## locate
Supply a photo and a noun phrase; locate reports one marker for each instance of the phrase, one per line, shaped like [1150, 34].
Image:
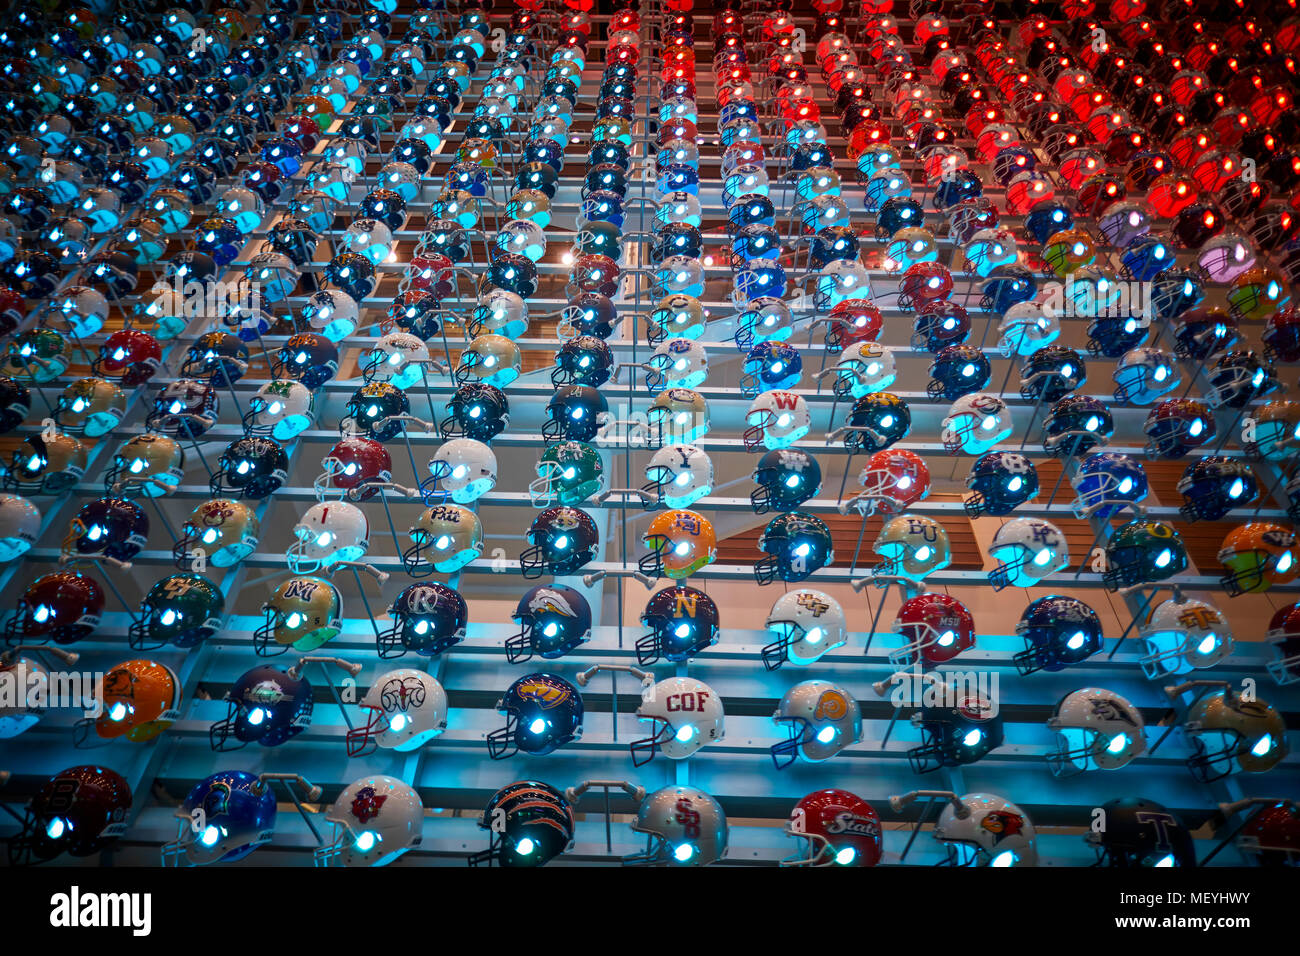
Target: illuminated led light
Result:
[826, 735]
[365, 842]
[972, 737]
[537, 726]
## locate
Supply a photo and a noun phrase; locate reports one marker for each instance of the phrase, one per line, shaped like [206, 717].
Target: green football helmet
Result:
[568, 473]
[1143, 552]
[181, 609]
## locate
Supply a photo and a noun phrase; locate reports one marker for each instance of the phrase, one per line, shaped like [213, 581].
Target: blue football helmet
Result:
[771, 366]
[1058, 631]
[1105, 483]
[543, 713]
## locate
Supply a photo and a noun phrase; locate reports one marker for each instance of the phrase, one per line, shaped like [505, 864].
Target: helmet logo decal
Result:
[688, 817]
[831, 705]
[548, 600]
[402, 694]
[302, 589]
[543, 692]
[810, 601]
[1106, 708]
[847, 822]
[367, 803]
[217, 799]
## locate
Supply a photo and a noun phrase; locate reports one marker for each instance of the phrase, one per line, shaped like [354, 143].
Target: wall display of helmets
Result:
[787, 433]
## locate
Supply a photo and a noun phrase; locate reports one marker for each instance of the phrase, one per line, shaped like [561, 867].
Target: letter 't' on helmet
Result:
[1140, 833]
[1182, 635]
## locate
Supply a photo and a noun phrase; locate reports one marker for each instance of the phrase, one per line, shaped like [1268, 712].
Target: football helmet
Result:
[683, 827]
[328, 533]
[489, 359]
[975, 423]
[182, 610]
[220, 531]
[112, 528]
[266, 706]
[805, 624]
[252, 467]
[584, 360]
[1143, 375]
[427, 618]
[795, 544]
[820, 719]
[225, 817]
[912, 547]
[776, 419]
[476, 411]
[864, 368]
[376, 819]
[1140, 833]
[953, 736]
[500, 312]
[1026, 550]
[282, 409]
[682, 622]
[151, 464]
[935, 627]
[1284, 634]
[90, 407]
[1143, 551]
[577, 413]
[1212, 486]
[958, 370]
[1238, 378]
[677, 415]
[543, 713]
[840, 829]
[553, 621]
[1274, 432]
[1095, 729]
[679, 475]
[770, 365]
[79, 811]
[62, 606]
[462, 470]
[1058, 631]
[379, 409]
[684, 715]
[786, 478]
[185, 407]
[356, 468]
[39, 355]
[531, 823]
[1106, 483]
[1051, 373]
[399, 358]
[1027, 327]
[309, 358]
[303, 613]
[15, 403]
[404, 709]
[1076, 424]
[141, 699]
[893, 480]
[1229, 734]
[677, 363]
[561, 540]
[568, 473]
[1256, 556]
[1000, 482]
[1176, 426]
[680, 543]
[445, 538]
[20, 525]
[1183, 634]
[218, 356]
[986, 831]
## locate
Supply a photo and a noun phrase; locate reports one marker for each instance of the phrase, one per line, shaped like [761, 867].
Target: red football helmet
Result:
[1273, 834]
[840, 829]
[937, 628]
[63, 606]
[355, 467]
[922, 283]
[129, 355]
[894, 479]
[853, 321]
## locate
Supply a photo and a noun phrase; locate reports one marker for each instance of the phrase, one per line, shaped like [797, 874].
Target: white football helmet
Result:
[841, 280]
[1026, 549]
[376, 819]
[684, 714]
[1225, 256]
[805, 624]
[461, 469]
[1095, 729]
[992, 832]
[677, 363]
[975, 424]
[1026, 327]
[1143, 375]
[820, 719]
[776, 419]
[26, 703]
[20, 523]
[522, 236]
[502, 312]
[399, 358]
[863, 368]
[369, 237]
[330, 532]
[282, 408]
[332, 313]
[679, 475]
[1182, 635]
[405, 709]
